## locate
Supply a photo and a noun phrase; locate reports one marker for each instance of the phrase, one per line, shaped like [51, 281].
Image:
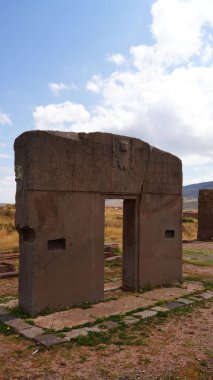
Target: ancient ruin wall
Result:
[205, 214]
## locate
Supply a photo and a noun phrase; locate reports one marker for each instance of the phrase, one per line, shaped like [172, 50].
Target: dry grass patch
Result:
[114, 225]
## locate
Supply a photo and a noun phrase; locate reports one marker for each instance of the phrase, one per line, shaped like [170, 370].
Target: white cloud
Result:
[4, 119]
[59, 116]
[7, 189]
[95, 84]
[118, 59]
[57, 88]
[165, 96]
[3, 145]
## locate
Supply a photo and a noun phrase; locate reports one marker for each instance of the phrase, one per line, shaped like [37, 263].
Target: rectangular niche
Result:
[170, 234]
[56, 245]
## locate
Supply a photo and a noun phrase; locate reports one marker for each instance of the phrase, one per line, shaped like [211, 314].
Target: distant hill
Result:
[190, 196]
[193, 190]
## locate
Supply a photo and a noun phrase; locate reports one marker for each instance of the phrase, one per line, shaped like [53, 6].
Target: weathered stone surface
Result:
[4, 311]
[50, 339]
[205, 214]
[161, 309]
[146, 314]
[62, 252]
[206, 295]
[75, 333]
[82, 332]
[32, 332]
[173, 305]
[110, 325]
[185, 301]
[129, 320]
[18, 324]
[126, 302]
[94, 329]
[195, 298]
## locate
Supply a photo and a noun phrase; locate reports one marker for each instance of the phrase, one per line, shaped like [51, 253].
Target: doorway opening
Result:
[121, 244]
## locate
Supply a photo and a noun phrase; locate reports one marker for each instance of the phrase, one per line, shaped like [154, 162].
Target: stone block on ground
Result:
[32, 332]
[129, 320]
[161, 309]
[206, 295]
[73, 334]
[173, 305]
[3, 311]
[18, 324]
[196, 298]
[185, 301]
[146, 314]
[210, 292]
[49, 339]
[94, 329]
[6, 317]
[108, 325]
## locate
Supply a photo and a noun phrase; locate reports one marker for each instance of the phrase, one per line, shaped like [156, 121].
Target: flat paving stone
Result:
[195, 298]
[126, 302]
[109, 325]
[75, 333]
[94, 329]
[146, 314]
[185, 301]
[3, 311]
[173, 305]
[32, 332]
[206, 295]
[49, 339]
[129, 320]
[6, 317]
[161, 309]
[18, 324]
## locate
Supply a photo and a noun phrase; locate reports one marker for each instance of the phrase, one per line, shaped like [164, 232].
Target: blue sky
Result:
[135, 67]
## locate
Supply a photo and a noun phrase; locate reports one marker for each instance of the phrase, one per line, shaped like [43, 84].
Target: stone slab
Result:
[94, 329]
[3, 311]
[18, 324]
[173, 305]
[210, 292]
[129, 320]
[75, 333]
[109, 325]
[160, 309]
[32, 332]
[185, 301]
[146, 314]
[82, 332]
[49, 339]
[6, 317]
[196, 298]
[126, 302]
[206, 295]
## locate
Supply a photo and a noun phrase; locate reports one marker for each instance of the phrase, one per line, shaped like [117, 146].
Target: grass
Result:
[114, 225]
[189, 231]
[8, 236]
[198, 257]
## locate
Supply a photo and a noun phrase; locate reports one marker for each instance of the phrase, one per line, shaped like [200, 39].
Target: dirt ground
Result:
[176, 347]
[179, 346]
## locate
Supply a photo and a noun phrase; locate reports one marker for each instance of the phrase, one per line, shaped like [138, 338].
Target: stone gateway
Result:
[63, 179]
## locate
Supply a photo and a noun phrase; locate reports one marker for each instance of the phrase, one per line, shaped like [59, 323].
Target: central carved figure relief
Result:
[63, 180]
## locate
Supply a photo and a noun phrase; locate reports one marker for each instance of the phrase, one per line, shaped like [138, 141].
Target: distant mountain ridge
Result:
[190, 196]
[193, 189]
